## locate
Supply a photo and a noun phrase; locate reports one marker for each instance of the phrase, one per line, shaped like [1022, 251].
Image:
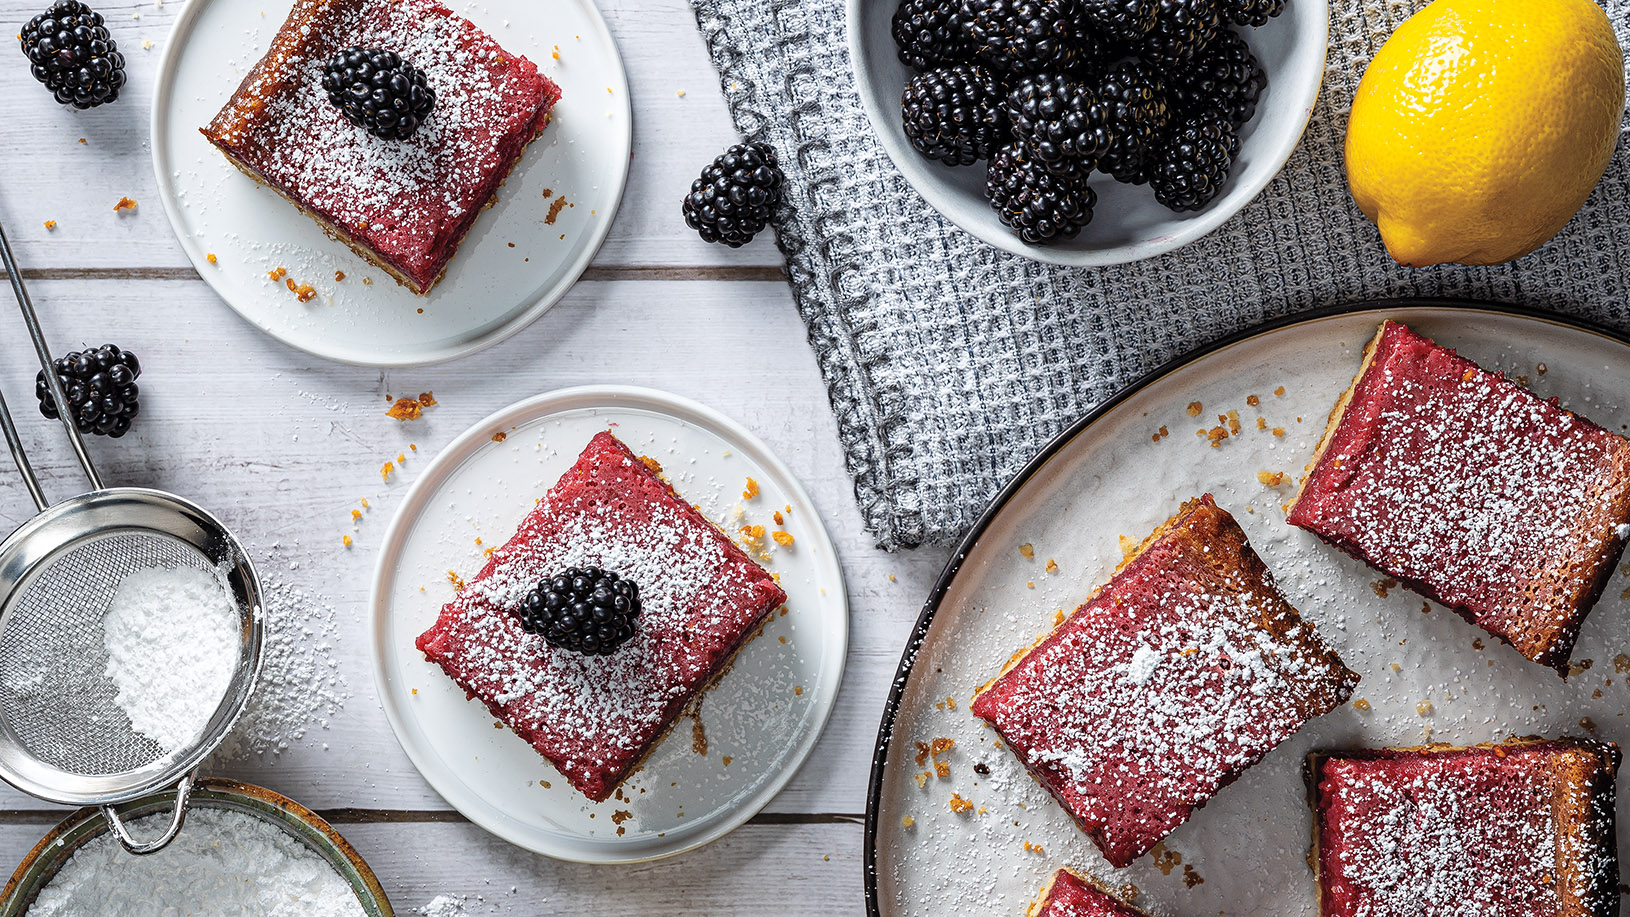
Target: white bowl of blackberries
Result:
[1088, 132]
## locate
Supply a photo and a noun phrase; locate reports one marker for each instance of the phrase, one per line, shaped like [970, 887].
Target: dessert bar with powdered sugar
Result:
[1070, 894]
[1473, 491]
[596, 717]
[1185, 669]
[403, 204]
[1519, 829]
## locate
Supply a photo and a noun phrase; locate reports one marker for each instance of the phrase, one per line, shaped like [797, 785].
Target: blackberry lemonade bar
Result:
[612, 607]
[1473, 491]
[1184, 670]
[442, 114]
[1519, 829]
[1070, 894]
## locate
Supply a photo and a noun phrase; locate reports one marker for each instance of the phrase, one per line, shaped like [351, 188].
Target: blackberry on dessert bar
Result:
[103, 397]
[1041, 205]
[70, 51]
[1064, 125]
[1225, 78]
[583, 609]
[732, 200]
[378, 91]
[929, 33]
[1251, 12]
[954, 114]
[1193, 161]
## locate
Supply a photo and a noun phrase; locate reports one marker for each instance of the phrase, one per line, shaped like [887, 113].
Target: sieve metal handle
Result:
[43, 351]
[183, 790]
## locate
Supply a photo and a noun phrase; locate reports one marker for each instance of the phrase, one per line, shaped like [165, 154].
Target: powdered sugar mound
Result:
[1143, 664]
[171, 634]
[300, 685]
[223, 862]
[443, 906]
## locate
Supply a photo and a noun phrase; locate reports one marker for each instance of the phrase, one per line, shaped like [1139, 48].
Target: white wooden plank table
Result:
[282, 445]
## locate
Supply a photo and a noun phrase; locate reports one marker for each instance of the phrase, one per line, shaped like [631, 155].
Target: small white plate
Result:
[491, 290]
[1113, 476]
[1127, 224]
[764, 715]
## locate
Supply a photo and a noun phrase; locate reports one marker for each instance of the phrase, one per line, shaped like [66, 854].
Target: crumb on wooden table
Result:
[405, 409]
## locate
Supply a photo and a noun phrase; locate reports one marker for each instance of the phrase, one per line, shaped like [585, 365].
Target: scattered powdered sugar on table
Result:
[300, 685]
[223, 862]
[172, 636]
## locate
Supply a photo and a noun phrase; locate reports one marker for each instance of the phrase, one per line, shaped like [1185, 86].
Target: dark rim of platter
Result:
[885, 729]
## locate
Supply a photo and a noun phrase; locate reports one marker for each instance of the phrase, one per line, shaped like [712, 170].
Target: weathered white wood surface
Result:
[283, 445]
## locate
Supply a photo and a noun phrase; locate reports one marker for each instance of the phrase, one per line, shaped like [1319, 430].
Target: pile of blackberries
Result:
[1050, 91]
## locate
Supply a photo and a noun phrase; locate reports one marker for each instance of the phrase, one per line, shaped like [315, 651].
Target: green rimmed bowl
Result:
[53, 850]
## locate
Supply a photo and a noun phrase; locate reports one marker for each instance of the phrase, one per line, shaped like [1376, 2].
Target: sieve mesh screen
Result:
[54, 695]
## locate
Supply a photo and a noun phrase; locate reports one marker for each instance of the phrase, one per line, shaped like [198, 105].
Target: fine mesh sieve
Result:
[62, 736]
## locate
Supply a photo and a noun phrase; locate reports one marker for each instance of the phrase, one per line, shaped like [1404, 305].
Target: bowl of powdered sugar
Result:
[246, 850]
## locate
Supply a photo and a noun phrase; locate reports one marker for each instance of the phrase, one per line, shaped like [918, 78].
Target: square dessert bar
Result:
[1181, 672]
[1473, 491]
[1070, 894]
[1520, 829]
[404, 205]
[595, 718]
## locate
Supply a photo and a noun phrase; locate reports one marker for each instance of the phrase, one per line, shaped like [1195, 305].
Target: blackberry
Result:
[71, 52]
[1189, 168]
[732, 200]
[582, 609]
[1183, 28]
[1027, 36]
[1121, 20]
[1065, 125]
[1225, 78]
[931, 32]
[101, 389]
[1041, 205]
[1137, 98]
[954, 114]
[378, 91]
[1251, 12]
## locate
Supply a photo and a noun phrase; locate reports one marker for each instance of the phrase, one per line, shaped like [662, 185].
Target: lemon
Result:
[1482, 125]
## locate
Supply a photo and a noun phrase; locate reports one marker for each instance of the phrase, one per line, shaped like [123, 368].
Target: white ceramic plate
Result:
[491, 290]
[1111, 478]
[1127, 224]
[764, 714]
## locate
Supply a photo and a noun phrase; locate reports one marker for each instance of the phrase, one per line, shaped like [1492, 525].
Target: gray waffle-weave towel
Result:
[950, 362]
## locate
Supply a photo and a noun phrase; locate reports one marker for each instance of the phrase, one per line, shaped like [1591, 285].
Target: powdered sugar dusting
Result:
[301, 687]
